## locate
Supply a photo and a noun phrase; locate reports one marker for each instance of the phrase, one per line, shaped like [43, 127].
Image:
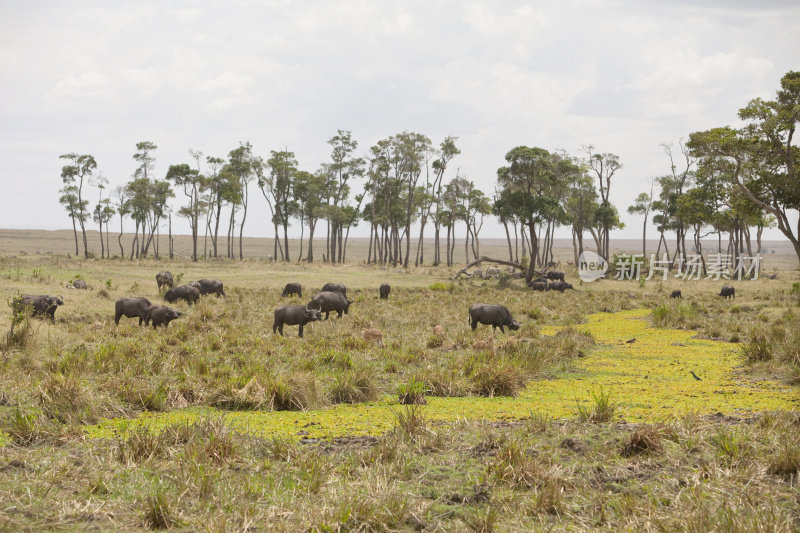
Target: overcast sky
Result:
[625, 76]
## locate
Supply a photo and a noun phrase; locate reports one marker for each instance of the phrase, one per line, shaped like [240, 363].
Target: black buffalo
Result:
[559, 286]
[79, 284]
[161, 314]
[132, 308]
[294, 315]
[384, 290]
[555, 275]
[292, 288]
[164, 280]
[209, 286]
[327, 301]
[728, 292]
[40, 305]
[676, 294]
[185, 292]
[493, 315]
[334, 287]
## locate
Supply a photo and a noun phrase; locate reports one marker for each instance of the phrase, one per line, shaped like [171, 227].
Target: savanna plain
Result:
[613, 407]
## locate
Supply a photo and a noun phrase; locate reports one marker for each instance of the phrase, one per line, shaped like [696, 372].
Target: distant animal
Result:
[728, 292]
[189, 293]
[676, 294]
[372, 335]
[294, 315]
[42, 305]
[493, 272]
[484, 346]
[334, 287]
[164, 280]
[80, 284]
[292, 288]
[327, 301]
[555, 275]
[438, 330]
[384, 290]
[135, 307]
[493, 315]
[695, 376]
[554, 264]
[559, 286]
[538, 285]
[161, 314]
[209, 286]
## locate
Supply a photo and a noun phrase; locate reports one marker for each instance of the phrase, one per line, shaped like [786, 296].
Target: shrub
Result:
[412, 393]
[603, 409]
[646, 439]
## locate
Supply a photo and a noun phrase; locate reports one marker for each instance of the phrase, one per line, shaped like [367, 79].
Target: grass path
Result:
[649, 377]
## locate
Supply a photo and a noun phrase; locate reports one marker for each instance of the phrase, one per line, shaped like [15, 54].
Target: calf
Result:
[372, 335]
[493, 315]
[132, 308]
[292, 288]
[676, 294]
[185, 292]
[728, 292]
[538, 285]
[161, 314]
[384, 290]
[294, 315]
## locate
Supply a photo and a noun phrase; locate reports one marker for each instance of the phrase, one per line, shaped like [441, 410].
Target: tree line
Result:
[724, 181]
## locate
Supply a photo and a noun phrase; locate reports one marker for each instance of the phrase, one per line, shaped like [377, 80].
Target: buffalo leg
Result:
[301, 330]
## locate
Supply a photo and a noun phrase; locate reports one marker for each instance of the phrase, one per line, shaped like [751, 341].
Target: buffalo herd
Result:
[331, 298]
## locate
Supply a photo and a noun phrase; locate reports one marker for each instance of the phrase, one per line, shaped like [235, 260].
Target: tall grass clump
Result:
[675, 315]
[354, 386]
[602, 409]
[21, 334]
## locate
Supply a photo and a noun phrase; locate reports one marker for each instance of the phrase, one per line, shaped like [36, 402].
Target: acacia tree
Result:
[642, 206]
[79, 168]
[216, 195]
[123, 208]
[69, 199]
[283, 167]
[604, 166]
[309, 191]
[433, 192]
[344, 167]
[240, 165]
[763, 157]
[193, 184]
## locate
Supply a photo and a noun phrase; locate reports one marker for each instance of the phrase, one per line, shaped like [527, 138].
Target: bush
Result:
[412, 393]
[354, 386]
[603, 409]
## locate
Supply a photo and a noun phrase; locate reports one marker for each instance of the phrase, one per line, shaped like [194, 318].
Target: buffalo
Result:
[676, 294]
[41, 305]
[208, 286]
[164, 280]
[334, 287]
[132, 308]
[79, 284]
[161, 314]
[294, 315]
[555, 275]
[327, 301]
[292, 288]
[493, 315]
[384, 290]
[559, 286]
[728, 292]
[189, 293]
[538, 285]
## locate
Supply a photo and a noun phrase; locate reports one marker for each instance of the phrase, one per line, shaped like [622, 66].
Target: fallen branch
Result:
[483, 259]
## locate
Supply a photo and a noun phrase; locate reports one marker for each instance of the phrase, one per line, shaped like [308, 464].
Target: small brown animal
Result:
[438, 330]
[676, 294]
[373, 335]
[484, 346]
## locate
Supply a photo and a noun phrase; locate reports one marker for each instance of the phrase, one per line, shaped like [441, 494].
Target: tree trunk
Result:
[508, 239]
[75, 231]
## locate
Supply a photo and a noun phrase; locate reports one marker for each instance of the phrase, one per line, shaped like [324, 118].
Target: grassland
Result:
[216, 424]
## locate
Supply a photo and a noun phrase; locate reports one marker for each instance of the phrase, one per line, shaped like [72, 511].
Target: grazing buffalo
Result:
[728, 292]
[555, 275]
[161, 314]
[334, 287]
[41, 305]
[79, 284]
[327, 301]
[294, 315]
[559, 286]
[292, 288]
[164, 280]
[538, 285]
[208, 286]
[373, 335]
[132, 308]
[185, 292]
[384, 290]
[493, 315]
[676, 294]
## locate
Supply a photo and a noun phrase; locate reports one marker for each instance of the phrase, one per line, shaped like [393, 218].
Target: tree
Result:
[309, 191]
[604, 166]
[762, 154]
[79, 168]
[283, 167]
[240, 165]
[642, 206]
[343, 168]
[123, 208]
[217, 194]
[193, 184]
[69, 199]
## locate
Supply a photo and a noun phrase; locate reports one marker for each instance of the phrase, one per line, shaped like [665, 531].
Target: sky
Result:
[624, 76]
